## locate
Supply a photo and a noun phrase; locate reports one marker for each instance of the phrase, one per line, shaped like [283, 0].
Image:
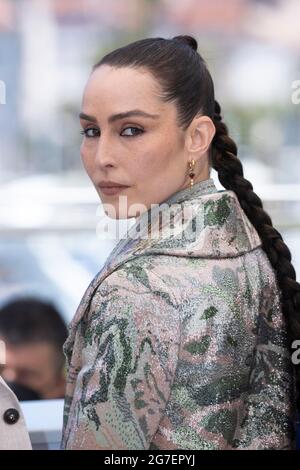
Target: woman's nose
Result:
[104, 154]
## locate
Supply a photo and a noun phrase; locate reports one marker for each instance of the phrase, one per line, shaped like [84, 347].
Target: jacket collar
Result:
[207, 223]
[139, 230]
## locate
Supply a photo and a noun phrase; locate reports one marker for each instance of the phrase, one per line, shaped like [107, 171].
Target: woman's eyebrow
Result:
[116, 117]
[86, 117]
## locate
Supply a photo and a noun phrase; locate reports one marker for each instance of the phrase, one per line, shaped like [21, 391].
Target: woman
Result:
[182, 340]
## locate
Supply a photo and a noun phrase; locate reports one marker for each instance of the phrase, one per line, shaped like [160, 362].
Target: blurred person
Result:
[23, 393]
[184, 339]
[34, 333]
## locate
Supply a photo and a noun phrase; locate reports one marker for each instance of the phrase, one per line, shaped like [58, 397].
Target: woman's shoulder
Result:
[137, 282]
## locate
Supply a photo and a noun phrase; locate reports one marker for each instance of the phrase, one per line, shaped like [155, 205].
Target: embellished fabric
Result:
[179, 341]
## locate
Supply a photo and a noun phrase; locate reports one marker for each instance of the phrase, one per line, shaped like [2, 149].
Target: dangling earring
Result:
[191, 172]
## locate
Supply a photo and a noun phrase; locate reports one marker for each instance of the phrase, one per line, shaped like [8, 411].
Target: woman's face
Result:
[146, 153]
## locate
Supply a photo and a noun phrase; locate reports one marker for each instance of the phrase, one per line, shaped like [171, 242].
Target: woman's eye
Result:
[89, 132]
[140, 131]
[85, 132]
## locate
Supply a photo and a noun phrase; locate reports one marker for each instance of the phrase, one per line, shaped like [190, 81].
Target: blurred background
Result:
[49, 247]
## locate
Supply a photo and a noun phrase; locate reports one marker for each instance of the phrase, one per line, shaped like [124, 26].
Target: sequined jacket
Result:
[179, 341]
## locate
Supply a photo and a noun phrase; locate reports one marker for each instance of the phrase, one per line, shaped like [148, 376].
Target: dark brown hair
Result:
[29, 320]
[185, 80]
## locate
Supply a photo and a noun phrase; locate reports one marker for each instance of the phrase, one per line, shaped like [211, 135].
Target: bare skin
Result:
[153, 163]
[34, 366]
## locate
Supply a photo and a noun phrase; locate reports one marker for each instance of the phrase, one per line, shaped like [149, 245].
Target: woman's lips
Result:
[113, 190]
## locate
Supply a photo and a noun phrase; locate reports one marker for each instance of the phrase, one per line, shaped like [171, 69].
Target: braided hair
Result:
[184, 78]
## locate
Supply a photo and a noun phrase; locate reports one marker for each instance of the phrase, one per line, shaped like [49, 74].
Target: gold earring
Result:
[191, 172]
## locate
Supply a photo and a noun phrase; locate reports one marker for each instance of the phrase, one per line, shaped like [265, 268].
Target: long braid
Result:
[230, 172]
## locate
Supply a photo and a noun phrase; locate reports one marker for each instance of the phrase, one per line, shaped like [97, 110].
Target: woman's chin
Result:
[116, 214]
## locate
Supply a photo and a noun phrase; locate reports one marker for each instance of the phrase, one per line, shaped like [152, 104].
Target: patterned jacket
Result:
[179, 341]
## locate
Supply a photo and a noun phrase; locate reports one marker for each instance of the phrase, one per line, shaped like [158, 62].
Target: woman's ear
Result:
[200, 135]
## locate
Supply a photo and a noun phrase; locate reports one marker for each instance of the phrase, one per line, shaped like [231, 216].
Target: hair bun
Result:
[189, 40]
